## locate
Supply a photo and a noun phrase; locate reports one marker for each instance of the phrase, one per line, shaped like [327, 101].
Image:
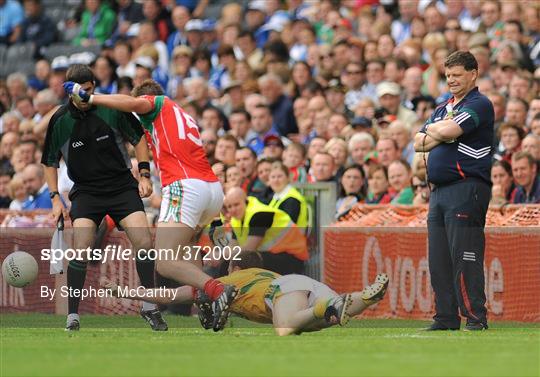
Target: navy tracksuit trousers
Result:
[456, 220]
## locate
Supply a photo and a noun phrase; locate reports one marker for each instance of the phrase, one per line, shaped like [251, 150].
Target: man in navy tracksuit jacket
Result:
[458, 137]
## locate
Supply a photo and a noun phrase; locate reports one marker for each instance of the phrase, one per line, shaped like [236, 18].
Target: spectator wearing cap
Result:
[255, 18]
[144, 65]
[97, 24]
[194, 33]
[247, 46]
[273, 147]
[180, 69]
[262, 124]
[525, 172]
[11, 19]
[388, 94]
[271, 88]
[335, 97]
[180, 17]
[233, 97]
[37, 27]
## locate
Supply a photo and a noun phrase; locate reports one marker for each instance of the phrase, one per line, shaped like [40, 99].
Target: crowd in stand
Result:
[335, 90]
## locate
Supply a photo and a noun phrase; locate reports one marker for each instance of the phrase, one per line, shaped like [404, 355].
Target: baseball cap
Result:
[335, 84]
[231, 84]
[194, 25]
[273, 140]
[182, 50]
[387, 87]
[360, 121]
[82, 58]
[259, 5]
[60, 63]
[209, 24]
[145, 62]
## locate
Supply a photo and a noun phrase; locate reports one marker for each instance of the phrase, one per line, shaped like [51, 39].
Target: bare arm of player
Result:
[123, 102]
[164, 296]
[143, 155]
[424, 142]
[51, 177]
[445, 130]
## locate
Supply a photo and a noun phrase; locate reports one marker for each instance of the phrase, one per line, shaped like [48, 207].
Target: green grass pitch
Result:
[37, 345]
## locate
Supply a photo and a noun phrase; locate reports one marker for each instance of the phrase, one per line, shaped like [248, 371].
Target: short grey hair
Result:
[17, 76]
[361, 136]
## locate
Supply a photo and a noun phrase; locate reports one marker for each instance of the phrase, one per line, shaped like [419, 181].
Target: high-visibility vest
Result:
[302, 221]
[283, 236]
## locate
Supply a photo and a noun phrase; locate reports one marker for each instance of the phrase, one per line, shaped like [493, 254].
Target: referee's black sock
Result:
[76, 275]
[145, 269]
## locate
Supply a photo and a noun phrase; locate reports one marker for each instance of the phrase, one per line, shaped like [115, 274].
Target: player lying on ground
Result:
[192, 195]
[292, 303]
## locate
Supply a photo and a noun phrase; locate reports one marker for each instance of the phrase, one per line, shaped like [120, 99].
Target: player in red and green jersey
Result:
[191, 193]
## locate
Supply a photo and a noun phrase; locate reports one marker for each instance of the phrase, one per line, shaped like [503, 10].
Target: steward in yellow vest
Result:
[292, 202]
[259, 227]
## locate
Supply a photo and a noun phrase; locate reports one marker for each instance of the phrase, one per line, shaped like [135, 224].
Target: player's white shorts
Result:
[191, 201]
[292, 283]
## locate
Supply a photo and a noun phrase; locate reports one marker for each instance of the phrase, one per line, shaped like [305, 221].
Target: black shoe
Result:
[221, 306]
[476, 326]
[154, 319]
[73, 325]
[437, 326]
[206, 314]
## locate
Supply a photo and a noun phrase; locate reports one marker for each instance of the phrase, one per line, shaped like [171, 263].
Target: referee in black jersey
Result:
[91, 141]
[458, 136]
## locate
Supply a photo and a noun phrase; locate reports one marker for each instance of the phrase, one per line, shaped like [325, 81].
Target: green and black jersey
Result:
[92, 144]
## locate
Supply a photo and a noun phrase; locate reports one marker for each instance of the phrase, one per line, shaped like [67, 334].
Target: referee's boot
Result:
[437, 326]
[154, 319]
[475, 326]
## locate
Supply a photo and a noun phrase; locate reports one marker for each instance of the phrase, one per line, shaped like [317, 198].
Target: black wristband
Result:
[144, 165]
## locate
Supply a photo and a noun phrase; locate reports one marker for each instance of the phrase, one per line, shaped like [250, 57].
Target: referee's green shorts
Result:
[96, 206]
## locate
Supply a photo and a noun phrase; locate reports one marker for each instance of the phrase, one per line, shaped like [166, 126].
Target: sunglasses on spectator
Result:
[420, 185]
